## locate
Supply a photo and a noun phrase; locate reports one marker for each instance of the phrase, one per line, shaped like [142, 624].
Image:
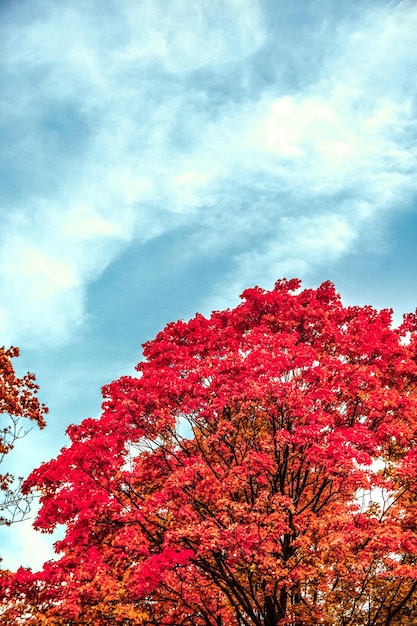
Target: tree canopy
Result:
[18, 402]
[261, 469]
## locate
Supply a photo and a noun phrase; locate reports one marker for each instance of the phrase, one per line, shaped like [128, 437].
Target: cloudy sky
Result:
[156, 158]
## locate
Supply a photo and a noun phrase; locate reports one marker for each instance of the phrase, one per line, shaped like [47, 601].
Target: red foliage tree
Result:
[261, 470]
[18, 401]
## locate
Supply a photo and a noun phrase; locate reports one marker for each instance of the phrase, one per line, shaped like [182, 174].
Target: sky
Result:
[157, 158]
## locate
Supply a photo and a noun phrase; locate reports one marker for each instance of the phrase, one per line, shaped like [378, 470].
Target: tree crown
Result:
[260, 470]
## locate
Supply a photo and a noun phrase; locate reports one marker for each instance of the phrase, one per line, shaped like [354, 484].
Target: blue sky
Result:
[157, 158]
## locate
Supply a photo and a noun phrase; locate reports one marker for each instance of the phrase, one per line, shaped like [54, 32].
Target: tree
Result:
[18, 400]
[260, 470]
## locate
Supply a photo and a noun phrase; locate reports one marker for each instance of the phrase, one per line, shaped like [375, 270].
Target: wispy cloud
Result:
[123, 121]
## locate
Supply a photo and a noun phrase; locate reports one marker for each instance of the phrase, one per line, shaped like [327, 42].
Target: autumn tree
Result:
[18, 404]
[260, 470]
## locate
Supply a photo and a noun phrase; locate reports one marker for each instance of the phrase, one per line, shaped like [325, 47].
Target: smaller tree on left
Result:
[18, 404]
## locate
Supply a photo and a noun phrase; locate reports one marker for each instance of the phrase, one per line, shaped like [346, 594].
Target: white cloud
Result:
[45, 261]
[189, 37]
[300, 244]
[155, 142]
